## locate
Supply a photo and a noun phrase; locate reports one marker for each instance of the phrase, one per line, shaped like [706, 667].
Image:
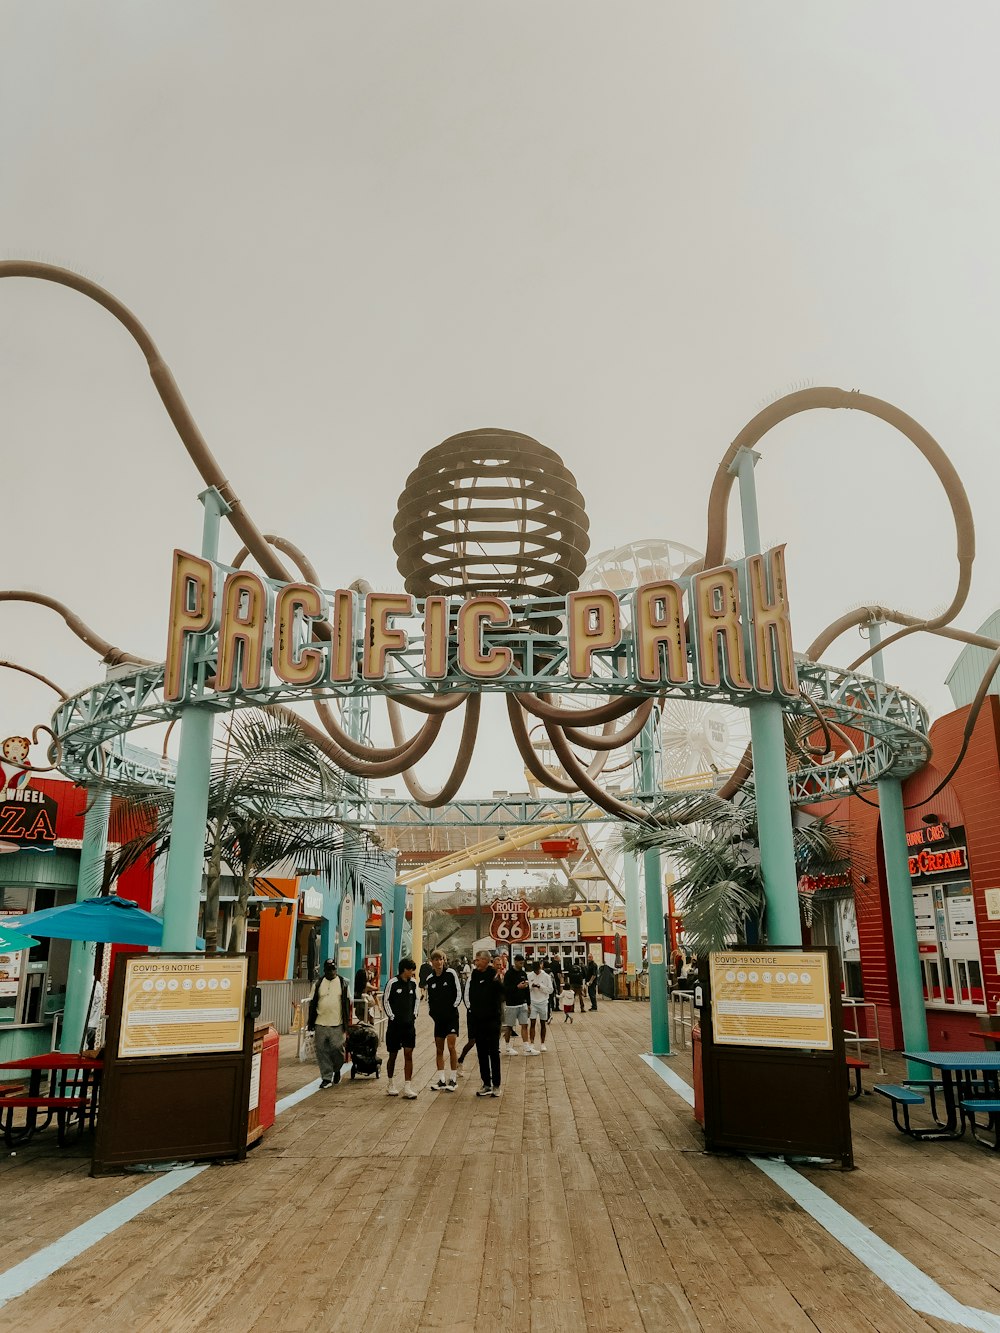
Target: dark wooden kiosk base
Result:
[175, 1107]
[778, 1100]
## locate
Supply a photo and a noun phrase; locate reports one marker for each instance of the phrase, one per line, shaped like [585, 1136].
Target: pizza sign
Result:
[510, 920]
[28, 819]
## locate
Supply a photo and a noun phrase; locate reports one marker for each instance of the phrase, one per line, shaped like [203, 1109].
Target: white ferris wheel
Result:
[698, 740]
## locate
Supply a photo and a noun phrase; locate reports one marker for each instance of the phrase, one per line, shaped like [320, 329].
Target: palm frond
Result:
[716, 915]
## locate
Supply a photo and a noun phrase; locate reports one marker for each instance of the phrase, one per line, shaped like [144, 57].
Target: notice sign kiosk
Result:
[177, 1061]
[773, 1066]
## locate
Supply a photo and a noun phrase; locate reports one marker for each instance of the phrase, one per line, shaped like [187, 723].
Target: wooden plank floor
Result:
[580, 1200]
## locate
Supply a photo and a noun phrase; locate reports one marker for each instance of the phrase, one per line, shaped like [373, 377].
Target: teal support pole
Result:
[90, 878]
[892, 822]
[398, 922]
[656, 952]
[385, 937]
[770, 770]
[633, 925]
[186, 859]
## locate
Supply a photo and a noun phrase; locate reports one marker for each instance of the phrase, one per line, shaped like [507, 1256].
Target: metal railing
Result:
[278, 1001]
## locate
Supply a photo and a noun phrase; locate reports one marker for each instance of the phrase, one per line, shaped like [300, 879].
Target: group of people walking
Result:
[498, 1007]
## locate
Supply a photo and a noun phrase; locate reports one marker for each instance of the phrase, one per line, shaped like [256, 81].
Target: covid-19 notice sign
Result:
[771, 999]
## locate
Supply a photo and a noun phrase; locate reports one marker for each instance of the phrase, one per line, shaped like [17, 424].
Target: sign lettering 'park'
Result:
[727, 626]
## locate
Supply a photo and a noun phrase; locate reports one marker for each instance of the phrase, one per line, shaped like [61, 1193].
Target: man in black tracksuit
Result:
[444, 995]
[484, 999]
[400, 1001]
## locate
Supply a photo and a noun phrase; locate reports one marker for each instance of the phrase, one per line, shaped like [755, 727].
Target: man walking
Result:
[553, 967]
[484, 998]
[590, 976]
[540, 989]
[444, 994]
[576, 983]
[517, 1004]
[329, 1017]
[400, 1000]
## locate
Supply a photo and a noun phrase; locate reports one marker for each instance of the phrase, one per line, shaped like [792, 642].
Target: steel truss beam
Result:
[91, 727]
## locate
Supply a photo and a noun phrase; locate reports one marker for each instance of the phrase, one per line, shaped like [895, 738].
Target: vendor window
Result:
[33, 981]
[948, 941]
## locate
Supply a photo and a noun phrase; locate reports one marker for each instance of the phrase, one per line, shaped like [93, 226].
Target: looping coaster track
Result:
[513, 519]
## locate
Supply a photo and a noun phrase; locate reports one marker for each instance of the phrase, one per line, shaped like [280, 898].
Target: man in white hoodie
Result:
[539, 989]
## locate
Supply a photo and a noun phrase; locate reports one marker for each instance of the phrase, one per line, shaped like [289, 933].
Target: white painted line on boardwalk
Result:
[920, 1292]
[23, 1276]
[29, 1272]
[299, 1095]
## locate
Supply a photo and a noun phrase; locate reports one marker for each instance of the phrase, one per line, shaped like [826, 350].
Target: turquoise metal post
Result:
[633, 925]
[770, 770]
[398, 922]
[90, 877]
[186, 859]
[656, 952]
[385, 936]
[895, 853]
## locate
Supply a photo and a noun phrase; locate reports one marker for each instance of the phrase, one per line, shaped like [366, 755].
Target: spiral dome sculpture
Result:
[491, 513]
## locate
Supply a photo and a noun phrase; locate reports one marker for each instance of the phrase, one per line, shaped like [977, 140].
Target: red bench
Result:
[68, 1111]
[856, 1065]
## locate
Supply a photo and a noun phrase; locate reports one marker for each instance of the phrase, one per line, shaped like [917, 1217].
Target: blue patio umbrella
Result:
[103, 920]
[12, 941]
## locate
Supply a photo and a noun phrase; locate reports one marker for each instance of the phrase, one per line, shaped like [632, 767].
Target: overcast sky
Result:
[354, 229]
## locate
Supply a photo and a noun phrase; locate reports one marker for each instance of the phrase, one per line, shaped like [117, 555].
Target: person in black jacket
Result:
[484, 999]
[401, 1000]
[444, 995]
[591, 976]
[517, 1006]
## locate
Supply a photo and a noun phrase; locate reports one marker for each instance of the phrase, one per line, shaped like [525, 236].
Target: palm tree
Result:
[714, 845]
[267, 791]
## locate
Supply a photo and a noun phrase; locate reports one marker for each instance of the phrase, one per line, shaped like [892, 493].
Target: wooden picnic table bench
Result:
[68, 1112]
[855, 1066]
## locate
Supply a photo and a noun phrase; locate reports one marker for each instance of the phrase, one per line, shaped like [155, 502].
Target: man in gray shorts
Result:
[540, 989]
[517, 1000]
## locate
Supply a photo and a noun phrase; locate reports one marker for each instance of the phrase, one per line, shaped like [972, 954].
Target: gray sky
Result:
[356, 229]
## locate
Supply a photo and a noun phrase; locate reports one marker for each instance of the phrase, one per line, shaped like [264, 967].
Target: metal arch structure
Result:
[90, 725]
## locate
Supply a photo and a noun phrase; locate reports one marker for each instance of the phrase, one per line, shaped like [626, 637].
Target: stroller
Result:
[362, 1047]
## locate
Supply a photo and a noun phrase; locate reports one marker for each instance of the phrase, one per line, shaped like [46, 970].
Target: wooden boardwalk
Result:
[581, 1200]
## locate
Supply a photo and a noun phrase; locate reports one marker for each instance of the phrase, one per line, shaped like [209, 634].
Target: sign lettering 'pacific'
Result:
[727, 626]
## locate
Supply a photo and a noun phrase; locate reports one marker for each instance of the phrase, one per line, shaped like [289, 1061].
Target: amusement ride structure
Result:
[619, 676]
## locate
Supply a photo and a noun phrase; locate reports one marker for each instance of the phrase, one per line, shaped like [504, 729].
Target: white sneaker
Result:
[512, 1050]
[392, 1090]
[408, 1091]
[451, 1086]
[437, 1085]
[530, 1050]
[542, 1047]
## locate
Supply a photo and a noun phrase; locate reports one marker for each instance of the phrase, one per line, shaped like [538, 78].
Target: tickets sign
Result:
[771, 999]
[510, 924]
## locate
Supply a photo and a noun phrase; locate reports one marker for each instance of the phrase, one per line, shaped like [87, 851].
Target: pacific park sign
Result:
[728, 626]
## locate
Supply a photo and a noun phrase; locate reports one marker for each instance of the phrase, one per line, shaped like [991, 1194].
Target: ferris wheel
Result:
[697, 740]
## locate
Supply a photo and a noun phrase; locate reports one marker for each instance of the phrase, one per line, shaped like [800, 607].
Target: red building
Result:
[954, 843]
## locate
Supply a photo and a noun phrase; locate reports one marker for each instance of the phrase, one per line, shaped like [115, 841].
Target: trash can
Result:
[263, 1083]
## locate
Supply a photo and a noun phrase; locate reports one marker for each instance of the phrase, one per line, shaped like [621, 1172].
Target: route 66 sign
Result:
[510, 920]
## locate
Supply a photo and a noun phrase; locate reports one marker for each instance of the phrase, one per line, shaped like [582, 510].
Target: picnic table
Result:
[71, 1097]
[967, 1078]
